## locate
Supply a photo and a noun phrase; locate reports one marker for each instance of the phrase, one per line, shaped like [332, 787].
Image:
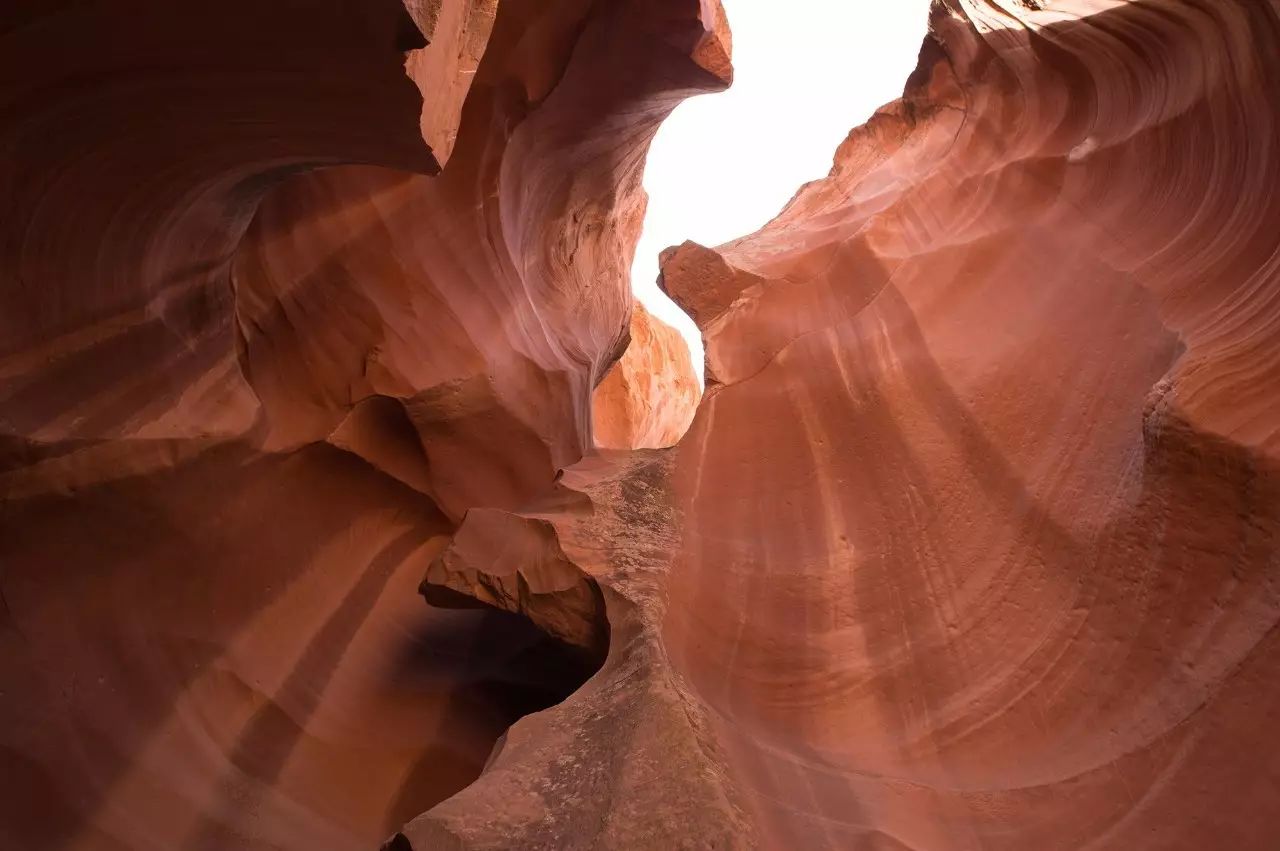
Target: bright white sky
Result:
[805, 73]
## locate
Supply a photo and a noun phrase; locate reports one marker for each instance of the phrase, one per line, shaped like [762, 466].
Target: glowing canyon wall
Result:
[325, 514]
[648, 398]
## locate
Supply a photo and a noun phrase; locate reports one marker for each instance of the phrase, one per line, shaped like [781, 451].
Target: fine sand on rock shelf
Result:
[972, 542]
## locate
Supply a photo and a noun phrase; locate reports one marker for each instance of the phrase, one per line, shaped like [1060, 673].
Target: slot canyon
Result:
[349, 499]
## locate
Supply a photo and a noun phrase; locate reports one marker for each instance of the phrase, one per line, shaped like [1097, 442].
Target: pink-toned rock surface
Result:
[991, 455]
[972, 543]
[260, 355]
[648, 397]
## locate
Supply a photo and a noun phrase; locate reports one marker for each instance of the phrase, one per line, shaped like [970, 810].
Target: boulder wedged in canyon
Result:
[648, 398]
[972, 542]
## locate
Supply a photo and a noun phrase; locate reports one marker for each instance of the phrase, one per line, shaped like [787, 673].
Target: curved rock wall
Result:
[648, 398]
[138, 139]
[259, 357]
[972, 543]
[980, 536]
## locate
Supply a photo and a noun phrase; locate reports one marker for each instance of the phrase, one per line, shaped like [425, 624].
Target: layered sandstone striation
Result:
[989, 454]
[972, 542]
[285, 292]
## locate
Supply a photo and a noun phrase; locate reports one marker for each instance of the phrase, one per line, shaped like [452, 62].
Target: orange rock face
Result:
[648, 398]
[973, 543]
[1009, 374]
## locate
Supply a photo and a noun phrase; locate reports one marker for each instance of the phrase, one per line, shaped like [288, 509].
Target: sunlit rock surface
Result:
[972, 543]
[979, 538]
[648, 398]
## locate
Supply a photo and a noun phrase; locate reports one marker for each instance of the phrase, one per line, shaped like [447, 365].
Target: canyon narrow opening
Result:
[722, 165]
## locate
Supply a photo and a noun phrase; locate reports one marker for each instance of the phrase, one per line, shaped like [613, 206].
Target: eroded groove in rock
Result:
[1008, 374]
[489, 300]
[234, 428]
[163, 694]
[972, 543]
[137, 142]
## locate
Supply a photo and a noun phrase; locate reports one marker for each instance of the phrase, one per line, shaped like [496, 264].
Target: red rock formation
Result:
[247, 399]
[972, 542]
[648, 398]
[136, 146]
[979, 545]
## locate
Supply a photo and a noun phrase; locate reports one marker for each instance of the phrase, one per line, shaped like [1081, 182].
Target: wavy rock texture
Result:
[648, 398]
[979, 545]
[259, 357]
[972, 543]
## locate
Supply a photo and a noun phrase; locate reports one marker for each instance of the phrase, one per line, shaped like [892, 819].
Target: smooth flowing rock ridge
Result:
[260, 356]
[972, 542]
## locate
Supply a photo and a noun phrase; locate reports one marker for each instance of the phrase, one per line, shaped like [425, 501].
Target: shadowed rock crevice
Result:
[516, 564]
